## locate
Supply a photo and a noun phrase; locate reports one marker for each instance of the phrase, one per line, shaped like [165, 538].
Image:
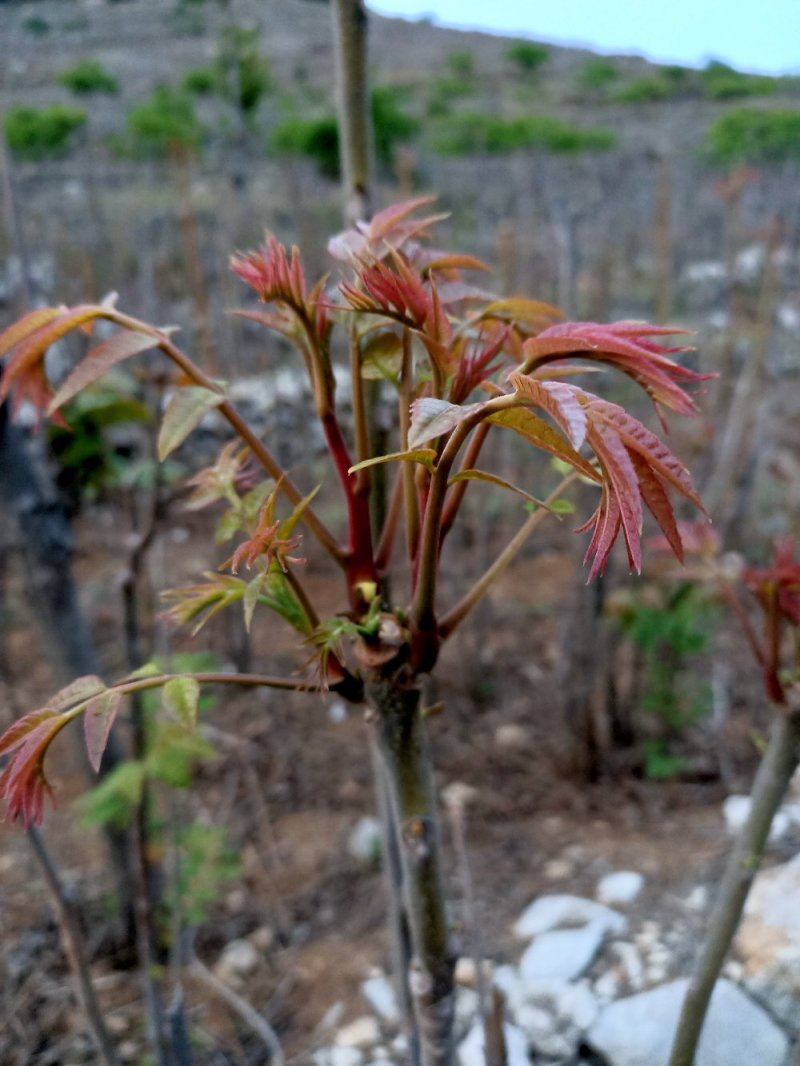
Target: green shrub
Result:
[644, 91]
[88, 76]
[316, 138]
[391, 124]
[597, 75]
[201, 81]
[461, 64]
[36, 26]
[528, 56]
[749, 136]
[34, 133]
[721, 82]
[475, 133]
[164, 122]
[243, 73]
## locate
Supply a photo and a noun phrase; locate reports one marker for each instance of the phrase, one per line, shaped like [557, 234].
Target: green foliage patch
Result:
[87, 77]
[750, 136]
[38, 133]
[476, 133]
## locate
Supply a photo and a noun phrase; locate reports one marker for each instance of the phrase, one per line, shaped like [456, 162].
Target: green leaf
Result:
[174, 754]
[99, 360]
[181, 696]
[431, 418]
[381, 357]
[250, 599]
[184, 413]
[148, 670]
[493, 479]
[228, 526]
[562, 506]
[539, 433]
[98, 719]
[115, 799]
[287, 527]
[424, 456]
[276, 594]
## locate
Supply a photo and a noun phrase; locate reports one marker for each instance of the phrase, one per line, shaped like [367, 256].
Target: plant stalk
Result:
[350, 49]
[772, 780]
[402, 744]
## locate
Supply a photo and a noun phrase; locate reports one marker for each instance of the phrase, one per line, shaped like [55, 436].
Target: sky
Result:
[761, 37]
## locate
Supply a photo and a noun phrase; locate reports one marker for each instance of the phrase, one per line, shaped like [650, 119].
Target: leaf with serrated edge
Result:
[18, 732]
[657, 502]
[539, 433]
[431, 418]
[99, 360]
[184, 413]
[493, 479]
[98, 718]
[424, 456]
[558, 400]
[625, 486]
[181, 696]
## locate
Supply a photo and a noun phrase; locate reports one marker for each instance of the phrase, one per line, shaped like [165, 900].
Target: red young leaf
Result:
[275, 276]
[560, 401]
[98, 718]
[623, 488]
[24, 369]
[622, 345]
[432, 418]
[99, 360]
[781, 580]
[657, 502]
[23, 784]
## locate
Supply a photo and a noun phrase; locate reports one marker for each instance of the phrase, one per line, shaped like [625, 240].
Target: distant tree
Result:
[749, 136]
[39, 133]
[528, 56]
[86, 77]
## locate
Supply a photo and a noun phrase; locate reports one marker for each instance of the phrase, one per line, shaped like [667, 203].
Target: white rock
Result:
[511, 735]
[466, 972]
[550, 912]
[555, 1014]
[238, 959]
[471, 1050]
[606, 987]
[768, 941]
[638, 1031]
[697, 900]
[507, 979]
[363, 1032]
[379, 993]
[564, 954]
[736, 809]
[558, 869]
[631, 962]
[467, 1009]
[338, 1056]
[365, 840]
[620, 887]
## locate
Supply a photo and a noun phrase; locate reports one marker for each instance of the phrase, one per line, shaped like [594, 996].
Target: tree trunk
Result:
[402, 743]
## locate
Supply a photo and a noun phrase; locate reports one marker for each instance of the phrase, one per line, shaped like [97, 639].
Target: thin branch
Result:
[240, 1006]
[360, 422]
[410, 498]
[457, 494]
[772, 780]
[425, 593]
[72, 939]
[383, 553]
[457, 614]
